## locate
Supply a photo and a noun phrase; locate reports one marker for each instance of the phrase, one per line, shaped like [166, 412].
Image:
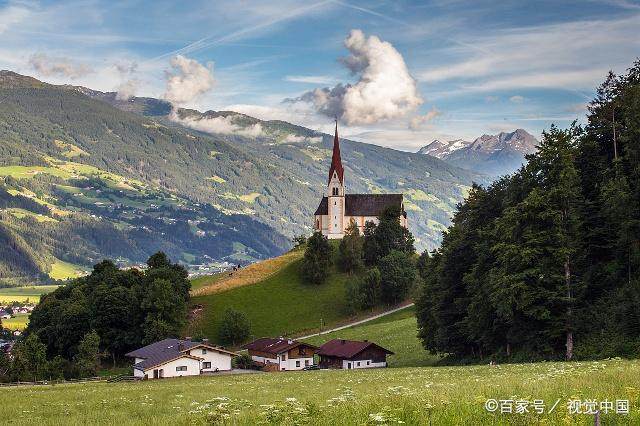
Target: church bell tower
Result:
[335, 192]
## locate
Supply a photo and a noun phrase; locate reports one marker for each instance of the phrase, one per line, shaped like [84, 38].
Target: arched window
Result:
[335, 191]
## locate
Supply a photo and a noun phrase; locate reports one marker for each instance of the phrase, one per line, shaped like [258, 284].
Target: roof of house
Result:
[341, 348]
[274, 346]
[363, 204]
[167, 350]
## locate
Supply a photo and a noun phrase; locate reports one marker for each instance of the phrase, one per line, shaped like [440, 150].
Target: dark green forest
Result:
[545, 263]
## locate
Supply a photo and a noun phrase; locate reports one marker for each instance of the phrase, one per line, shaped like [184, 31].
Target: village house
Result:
[337, 209]
[281, 354]
[351, 354]
[176, 358]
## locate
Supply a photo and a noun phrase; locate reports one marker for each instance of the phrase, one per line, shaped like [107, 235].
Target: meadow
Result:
[18, 322]
[30, 293]
[274, 298]
[413, 396]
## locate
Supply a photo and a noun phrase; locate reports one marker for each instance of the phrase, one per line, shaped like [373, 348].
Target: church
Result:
[338, 209]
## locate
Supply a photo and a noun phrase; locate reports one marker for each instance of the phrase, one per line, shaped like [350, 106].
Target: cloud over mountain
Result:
[188, 80]
[48, 66]
[384, 89]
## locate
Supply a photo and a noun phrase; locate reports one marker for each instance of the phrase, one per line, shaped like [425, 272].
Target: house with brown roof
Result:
[281, 354]
[177, 358]
[351, 354]
[337, 210]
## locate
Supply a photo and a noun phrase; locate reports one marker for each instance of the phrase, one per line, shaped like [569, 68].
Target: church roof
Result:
[363, 204]
[336, 161]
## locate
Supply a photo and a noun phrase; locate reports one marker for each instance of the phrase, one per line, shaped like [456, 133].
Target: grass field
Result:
[413, 396]
[396, 332]
[21, 294]
[19, 322]
[248, 275]
[276, 305]
[61, 270]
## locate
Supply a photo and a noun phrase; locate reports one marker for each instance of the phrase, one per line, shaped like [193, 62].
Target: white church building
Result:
[338, 209]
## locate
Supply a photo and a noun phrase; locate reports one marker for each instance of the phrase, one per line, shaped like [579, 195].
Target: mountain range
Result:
[85, 175]
[494, 155]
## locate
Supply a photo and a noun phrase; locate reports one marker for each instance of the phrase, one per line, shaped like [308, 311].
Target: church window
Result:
[335, 203]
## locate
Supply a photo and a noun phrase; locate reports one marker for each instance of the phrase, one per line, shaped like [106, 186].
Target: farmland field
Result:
[21, 294]
[61, 270]
[19, 322]
[414, 396]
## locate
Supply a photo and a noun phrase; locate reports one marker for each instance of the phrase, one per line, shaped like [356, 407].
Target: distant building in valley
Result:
[338, 209]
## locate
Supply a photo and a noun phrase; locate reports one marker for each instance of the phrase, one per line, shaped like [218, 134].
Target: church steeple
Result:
[336, 162]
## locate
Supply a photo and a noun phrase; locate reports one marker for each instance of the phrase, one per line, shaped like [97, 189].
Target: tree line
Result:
[103, 315]
[545, 263]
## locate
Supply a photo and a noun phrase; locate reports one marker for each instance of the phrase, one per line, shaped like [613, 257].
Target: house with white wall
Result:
[352, 354]
[281, 354]
[177, 358]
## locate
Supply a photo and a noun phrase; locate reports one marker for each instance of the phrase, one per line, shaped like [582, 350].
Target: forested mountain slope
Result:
[126, 181]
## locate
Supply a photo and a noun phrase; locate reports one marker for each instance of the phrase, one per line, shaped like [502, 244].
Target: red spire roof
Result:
[336, 162]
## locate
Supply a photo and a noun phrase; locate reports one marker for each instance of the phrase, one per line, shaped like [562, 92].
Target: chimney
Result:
[180, 346]
[205, 340]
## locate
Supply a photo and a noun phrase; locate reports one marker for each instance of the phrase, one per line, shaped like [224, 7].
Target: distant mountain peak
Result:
[493, 154]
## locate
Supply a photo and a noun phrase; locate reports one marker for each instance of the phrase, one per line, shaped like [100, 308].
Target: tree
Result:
[317, 259]
[234, 327]
[370, 244]
[350, 250]
[299, 240]
[159, 260]
[397, 276]
[88, 357]
[29, 359]
[365, 293]
[243, 361]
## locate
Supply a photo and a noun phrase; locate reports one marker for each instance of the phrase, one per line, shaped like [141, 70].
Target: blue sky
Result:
[417, 70]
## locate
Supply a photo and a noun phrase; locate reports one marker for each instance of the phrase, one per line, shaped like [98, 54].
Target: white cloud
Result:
[569, 56]
[384, 90]
[11, 15]
[48, 66]
[516, 99]
[188, 80]
[311, 79]
[127, 89]
[222, 125]
[421, 120]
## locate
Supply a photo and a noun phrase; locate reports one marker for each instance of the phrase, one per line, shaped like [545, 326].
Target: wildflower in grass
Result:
[290, 411]
[385, 417]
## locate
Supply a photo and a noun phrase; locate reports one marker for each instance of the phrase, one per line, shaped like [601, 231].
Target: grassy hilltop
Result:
[274, 298]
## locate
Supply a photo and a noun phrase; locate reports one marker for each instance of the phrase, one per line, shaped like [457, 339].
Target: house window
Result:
[206, 365]
[358, 364]
[297, 364]
[284, 357]
[306, 362]
[181, 368]
[204, 351]
[368, 362]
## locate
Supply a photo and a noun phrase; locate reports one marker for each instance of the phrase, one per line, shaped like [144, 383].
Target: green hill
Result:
[281, 304]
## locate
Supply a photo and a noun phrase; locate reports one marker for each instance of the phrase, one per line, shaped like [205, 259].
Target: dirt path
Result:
[342, 327]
